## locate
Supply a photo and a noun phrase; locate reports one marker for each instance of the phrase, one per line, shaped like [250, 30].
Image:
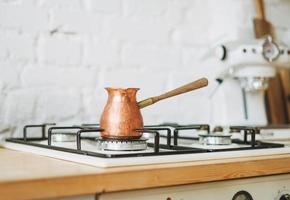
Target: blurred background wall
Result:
[56, 56]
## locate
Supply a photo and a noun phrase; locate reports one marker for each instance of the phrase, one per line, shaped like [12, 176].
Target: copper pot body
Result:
[121, 115]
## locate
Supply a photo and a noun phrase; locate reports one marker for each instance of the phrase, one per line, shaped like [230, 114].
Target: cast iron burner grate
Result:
[81, 133]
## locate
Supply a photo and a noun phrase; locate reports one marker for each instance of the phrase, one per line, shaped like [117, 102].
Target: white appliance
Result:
[166, 147]
[263, 188]
[243, 79]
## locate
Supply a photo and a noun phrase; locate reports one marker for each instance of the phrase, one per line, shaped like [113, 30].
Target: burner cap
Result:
[215, 139]
[63, 137]
[123, 145]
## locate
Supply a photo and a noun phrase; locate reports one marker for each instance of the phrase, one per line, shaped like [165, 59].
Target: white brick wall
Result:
[60, 50]
[25, 17]
[16, 47]
[56, 56]
[151, 56]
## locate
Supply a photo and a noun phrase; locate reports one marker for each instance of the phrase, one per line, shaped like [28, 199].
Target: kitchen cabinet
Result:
[29, 176]
[266, 188]
[276, 186]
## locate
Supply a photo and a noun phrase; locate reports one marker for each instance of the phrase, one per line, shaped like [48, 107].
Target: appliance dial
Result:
[270, 50]
[285, 197]
[242, 195]
[221, 52]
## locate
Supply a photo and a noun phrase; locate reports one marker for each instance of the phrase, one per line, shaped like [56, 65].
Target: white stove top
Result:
[114, 162]
[273, 136]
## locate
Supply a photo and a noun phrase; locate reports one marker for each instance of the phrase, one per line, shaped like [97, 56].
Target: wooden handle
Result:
[260, 12]
[183, 89]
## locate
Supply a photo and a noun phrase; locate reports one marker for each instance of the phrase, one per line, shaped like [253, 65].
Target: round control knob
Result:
[271, 50]
[285, 197]
[242, 195]
[221, 52]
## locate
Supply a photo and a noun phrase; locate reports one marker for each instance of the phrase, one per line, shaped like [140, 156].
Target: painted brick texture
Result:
[57, 56]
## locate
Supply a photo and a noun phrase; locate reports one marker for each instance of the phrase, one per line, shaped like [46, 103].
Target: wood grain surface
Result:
[200, 83]
[261, 26]
[278, 105]
[28, 176]
[285, 83]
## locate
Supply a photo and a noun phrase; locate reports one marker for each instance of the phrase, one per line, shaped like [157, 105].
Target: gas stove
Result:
[164, 143]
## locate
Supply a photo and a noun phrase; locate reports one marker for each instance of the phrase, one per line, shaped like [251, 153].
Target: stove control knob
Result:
[285, 197]
[242, 195]
[221, 52]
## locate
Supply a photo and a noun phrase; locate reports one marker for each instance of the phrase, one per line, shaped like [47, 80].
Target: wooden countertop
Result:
[29, 176]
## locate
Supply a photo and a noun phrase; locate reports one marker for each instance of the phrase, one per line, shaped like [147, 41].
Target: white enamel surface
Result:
[275, 135]
[113, 162]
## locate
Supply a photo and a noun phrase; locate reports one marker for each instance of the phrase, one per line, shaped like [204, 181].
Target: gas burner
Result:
[63, 137]
[215, 139]
[122, 145]
[171, 142]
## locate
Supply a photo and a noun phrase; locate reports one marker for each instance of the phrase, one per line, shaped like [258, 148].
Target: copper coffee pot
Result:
[121, 116]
